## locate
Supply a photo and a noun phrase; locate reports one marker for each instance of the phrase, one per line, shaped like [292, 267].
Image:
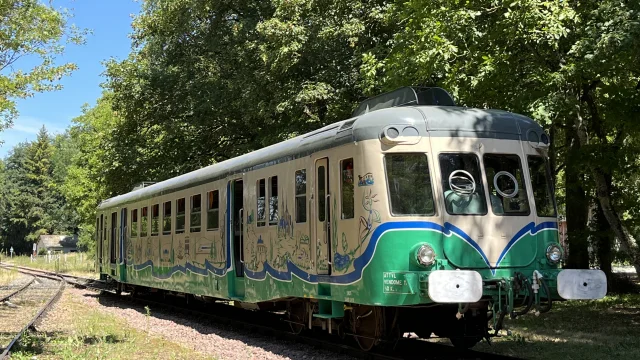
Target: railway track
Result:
[274, 325]
[24, 307]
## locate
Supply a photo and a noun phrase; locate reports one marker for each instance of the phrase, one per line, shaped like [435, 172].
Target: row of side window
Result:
[195, 216]
[267, 207]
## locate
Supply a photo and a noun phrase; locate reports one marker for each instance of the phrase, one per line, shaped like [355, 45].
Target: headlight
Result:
[554, 254]
[426, 255]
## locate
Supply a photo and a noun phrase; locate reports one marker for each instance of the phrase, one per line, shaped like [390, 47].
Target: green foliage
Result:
[247, 75]
[37, 31]
[32, 203]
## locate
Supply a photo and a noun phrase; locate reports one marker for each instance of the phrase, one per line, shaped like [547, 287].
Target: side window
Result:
[409, 181]
[144, 224]
[273, 200]
[213, 210]
[195, 219]
[507, 191]
[261, 195]
[166, 218]
[322, 191]
[462, 184]
[346, 188]
[180, 215]
[134, 223]
[301, 196]
[542, 186]
[98, 232]
[155, 220]
[101, 227]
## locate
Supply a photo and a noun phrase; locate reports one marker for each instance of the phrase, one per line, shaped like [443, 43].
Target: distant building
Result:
[58, 243]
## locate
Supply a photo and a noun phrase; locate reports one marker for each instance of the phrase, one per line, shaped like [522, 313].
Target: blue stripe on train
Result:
[359, 263]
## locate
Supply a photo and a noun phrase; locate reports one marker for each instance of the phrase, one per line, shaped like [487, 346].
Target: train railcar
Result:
[414, 215]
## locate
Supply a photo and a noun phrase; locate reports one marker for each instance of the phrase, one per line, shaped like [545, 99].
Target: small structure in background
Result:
[57, 243]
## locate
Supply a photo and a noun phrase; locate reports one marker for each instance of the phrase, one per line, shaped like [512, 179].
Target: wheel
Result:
[297, 314]
[367, 322]
[464, 342]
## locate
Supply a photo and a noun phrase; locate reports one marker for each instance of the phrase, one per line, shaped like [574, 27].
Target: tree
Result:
[31, 29]
[573, 66]
[210, 80]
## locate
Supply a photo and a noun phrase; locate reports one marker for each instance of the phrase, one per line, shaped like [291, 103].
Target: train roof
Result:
[434, 121]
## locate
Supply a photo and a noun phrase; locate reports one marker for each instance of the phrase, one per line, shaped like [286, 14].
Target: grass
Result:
[7, 276]
[604, 329]
[87, 333]
[73, 264]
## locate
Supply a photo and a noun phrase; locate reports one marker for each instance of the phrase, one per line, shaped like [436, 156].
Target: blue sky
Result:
[110, 22]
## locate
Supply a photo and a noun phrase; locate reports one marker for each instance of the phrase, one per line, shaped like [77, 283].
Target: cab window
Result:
[507, 191]
[409, 184]
[542, 187]
[462, 185]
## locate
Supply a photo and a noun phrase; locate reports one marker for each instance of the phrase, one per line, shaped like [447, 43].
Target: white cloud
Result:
[25, 128]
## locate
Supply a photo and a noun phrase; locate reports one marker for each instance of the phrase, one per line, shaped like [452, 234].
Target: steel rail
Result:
[5, 297]
[6, 352]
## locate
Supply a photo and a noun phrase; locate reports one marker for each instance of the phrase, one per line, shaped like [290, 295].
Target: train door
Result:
[235, 198]
[112, 240]
[124, 228]
[123, 235]
[322, 228]
[237, 210]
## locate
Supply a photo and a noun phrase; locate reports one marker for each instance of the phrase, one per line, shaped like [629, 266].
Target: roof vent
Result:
[143, 184]
[406, 96]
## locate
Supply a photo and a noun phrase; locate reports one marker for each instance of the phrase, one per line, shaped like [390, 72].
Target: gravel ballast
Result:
[211, 339]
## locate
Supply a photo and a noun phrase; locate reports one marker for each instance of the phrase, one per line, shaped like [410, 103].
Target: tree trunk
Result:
[603, 242]
[577, 206]
[603, 193]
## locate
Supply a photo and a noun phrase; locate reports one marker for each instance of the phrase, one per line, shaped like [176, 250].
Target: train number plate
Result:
[582, 284]
[455, 286]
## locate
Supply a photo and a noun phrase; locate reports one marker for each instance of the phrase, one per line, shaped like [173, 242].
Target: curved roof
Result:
[428, 120]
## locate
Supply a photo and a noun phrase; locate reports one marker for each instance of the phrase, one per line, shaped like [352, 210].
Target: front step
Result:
[329, 309]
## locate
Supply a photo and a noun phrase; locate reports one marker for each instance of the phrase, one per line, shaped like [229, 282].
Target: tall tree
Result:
[573, 65]
[210, 80]
[37, 31]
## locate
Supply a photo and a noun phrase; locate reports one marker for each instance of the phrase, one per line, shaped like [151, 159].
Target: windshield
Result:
[542, 188]
[462, 184]
[507, 191]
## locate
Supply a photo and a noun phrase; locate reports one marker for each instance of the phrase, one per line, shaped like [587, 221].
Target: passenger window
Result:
[144, 223]
[195, 219]
[301, 196]
[180, 215]
[542, 186]
[462, 184]
[273, 200]
[101, 226]
[213, 210]
[346, 186]
[261, 195]
[134, 223]
[166, 218]
[321, 194]
[155, 220]
[409, 182]
[507, 191]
